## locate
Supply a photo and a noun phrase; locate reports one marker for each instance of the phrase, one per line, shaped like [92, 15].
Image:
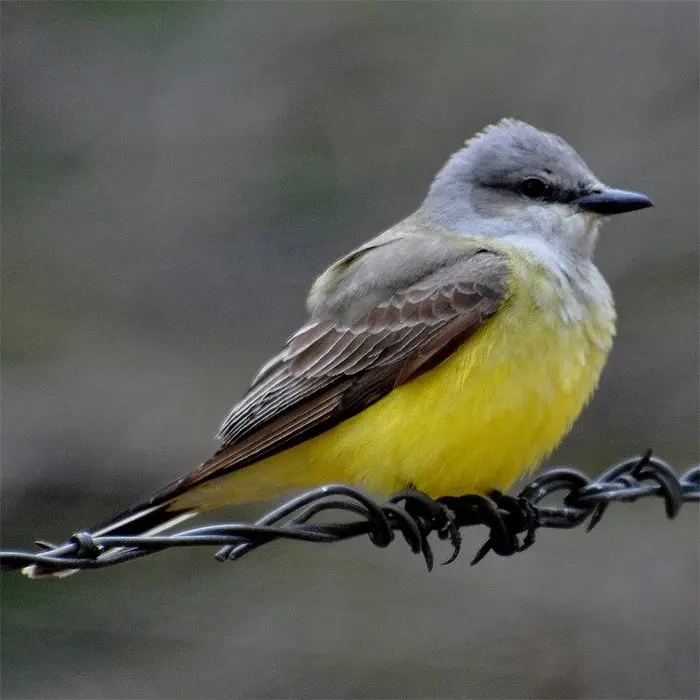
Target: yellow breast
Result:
[491, 411]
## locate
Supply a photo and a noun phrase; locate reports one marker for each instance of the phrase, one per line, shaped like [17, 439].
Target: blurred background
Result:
[174, 176]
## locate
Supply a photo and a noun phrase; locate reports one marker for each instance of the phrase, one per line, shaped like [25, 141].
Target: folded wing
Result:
[331, 370]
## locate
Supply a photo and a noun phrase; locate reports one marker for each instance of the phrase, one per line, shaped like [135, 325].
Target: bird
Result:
[450, 354]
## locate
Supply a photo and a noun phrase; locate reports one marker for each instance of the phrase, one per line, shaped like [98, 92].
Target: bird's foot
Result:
[431, 514]
[513, 515]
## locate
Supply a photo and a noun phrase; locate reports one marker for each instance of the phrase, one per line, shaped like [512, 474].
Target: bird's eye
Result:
[533, 188]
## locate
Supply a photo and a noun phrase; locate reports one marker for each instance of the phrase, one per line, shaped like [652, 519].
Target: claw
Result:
[451, 530]
[519, 516]
[483, 551]
[428, 555]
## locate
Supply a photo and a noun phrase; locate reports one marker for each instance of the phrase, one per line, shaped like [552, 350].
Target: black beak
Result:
[609, 201]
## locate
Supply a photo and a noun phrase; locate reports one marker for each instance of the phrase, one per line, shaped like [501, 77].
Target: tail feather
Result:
[144, 520]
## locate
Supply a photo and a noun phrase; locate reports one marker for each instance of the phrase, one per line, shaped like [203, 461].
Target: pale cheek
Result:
[550, 221]
[578, 231]
[588, 222]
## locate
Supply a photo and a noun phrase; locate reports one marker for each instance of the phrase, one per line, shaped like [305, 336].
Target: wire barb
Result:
[512, 521]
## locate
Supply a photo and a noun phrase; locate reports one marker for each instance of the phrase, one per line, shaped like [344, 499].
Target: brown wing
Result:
[331, 370]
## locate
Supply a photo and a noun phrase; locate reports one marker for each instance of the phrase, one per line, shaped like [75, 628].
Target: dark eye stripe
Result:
[534, 188]
[554, 194]
[551, 193]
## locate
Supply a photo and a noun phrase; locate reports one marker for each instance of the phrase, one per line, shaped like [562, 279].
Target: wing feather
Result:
[331, 369]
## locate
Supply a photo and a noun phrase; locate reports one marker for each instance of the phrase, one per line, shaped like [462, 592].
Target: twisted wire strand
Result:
[512, 522]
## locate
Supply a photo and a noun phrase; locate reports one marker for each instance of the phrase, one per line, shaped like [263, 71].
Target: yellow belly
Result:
[491, 411]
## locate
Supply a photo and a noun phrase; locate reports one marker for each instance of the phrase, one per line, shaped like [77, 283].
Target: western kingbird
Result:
[449, 354]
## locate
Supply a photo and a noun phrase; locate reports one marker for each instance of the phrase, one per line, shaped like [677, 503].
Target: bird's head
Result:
[514, 180]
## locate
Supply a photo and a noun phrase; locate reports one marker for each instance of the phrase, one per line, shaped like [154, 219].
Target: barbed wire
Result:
[512, 521]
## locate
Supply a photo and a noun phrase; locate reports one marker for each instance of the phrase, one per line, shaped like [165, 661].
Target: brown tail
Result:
[151, 516]
[139, 520]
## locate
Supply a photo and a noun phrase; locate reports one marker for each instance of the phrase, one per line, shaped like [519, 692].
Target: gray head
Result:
[514, 180]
